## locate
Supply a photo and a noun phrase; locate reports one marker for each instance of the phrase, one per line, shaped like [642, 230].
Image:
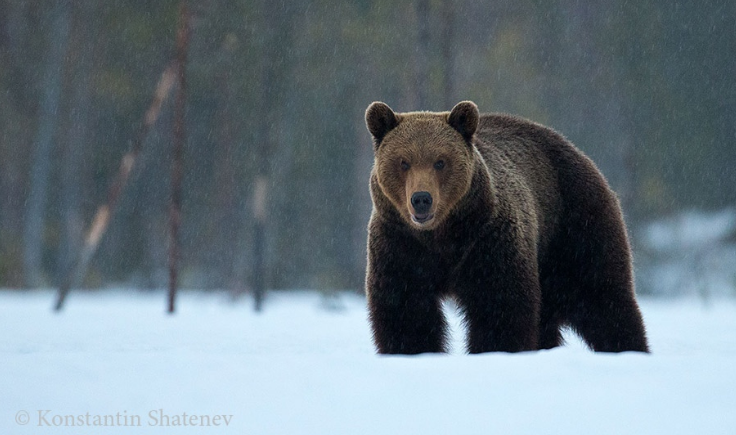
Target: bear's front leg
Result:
[407, 324]
[499, 294]
[403, 297]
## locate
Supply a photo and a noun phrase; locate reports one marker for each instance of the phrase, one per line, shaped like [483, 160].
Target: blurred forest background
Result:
[275, 101]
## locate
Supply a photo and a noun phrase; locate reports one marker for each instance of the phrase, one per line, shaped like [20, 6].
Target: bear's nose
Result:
[421, 201]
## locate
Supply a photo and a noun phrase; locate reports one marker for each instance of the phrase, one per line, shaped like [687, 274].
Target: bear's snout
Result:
[422, 203]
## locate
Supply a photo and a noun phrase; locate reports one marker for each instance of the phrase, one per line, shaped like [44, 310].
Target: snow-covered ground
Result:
[304, 367]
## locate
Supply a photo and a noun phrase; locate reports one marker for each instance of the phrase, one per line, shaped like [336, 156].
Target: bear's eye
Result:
[439, 164]
[404, 166]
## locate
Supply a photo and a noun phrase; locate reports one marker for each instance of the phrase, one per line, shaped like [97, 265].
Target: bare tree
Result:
[15, 135]
[274, 64]
[177, 164]
[72, 161]
[60, 25]
[448, 53]
[226, 213]
[102, 218]
[422, 53]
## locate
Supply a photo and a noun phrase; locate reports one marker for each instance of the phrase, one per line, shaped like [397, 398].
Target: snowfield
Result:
[306, 365]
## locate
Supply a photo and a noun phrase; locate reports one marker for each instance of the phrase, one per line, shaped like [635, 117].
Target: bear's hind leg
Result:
[593, 259]
[603, 309]
[609, 324]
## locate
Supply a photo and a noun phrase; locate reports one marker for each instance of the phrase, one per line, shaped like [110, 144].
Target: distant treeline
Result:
[276, 95]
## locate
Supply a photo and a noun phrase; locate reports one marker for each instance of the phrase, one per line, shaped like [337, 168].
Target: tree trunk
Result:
[422, 54]
[15, 137]
[259, 240]
[104, 212]
[227, 220]
[177, 166]
[275, 43]
[448, 54]
[33, 233]
[72, 161]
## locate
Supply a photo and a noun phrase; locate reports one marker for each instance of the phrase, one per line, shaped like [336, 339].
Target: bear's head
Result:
[424, 161]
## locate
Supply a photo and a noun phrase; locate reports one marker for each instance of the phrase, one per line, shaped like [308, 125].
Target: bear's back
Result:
[560, 178]
[541, 154]
[516, 151]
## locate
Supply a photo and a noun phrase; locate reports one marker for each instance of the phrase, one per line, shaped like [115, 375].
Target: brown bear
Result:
[508, 218]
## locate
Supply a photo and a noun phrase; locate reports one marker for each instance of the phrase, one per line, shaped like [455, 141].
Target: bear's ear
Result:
[380, 119]
[464, 118]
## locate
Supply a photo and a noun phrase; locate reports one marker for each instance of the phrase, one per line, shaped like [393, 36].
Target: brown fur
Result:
[523, 231]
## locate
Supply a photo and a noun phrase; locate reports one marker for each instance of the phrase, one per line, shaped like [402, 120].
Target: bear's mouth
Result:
[422, 219]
